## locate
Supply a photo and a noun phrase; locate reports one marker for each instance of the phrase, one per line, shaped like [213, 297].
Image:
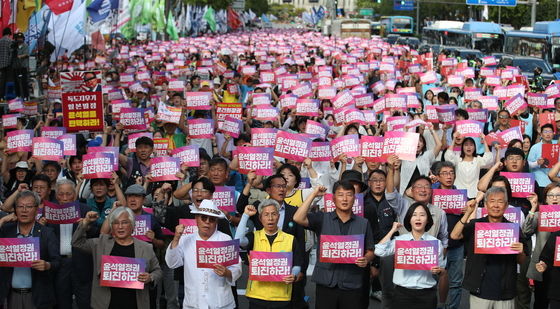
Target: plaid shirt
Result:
[6, 52]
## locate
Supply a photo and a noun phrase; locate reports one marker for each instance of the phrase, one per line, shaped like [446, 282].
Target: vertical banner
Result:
[121, 272]
[341, 249]
[495, 238]
[210, 253]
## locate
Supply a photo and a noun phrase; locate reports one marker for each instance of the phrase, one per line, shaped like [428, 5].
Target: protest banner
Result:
[10, 121]
[232, 126]
[269, 266]
[320, 151]
[343, 99]
[68, 144]
[456, 80]
[81, 81]
[121, 272]
[347, 144]
[397, 123]
[82, 111]
[522, 184]
[265, 113]
[132, 138]
[169, 113]
[372, 148]
[325, 92]
[190, 226]
[210, 253]
[19, 140]
[48, 149]
[511, 134]
[478, 114]
[395, 101]
[493, 80]
[292, 146]
[200, 128]
[161, 147]
[62, 214]
[187, 155]
[108, 149]
[258, 159]
[549, 218]
[52, 132]
[164, 168]
[19, 252]
[416, 254]
[98, 165]
[446, 113]
[176, 85]
[495, 238]
[538, 100]
[515, 104]
[402, 144]
[142, 224]
[233, 110]
[550, 154]
[224, 198]
[364, 100]
[16, 105]
[316, 129]
[471, 94]
[489, 102]
[263, 137]
[341, 249]
[512, 213]
[261, 99]
[198, 100]
[288, 101]
[307, 107]
[450, 200]
[357, 206]
[133, 118]
[469, 128]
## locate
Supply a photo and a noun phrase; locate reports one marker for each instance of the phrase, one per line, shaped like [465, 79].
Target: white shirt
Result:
[203, 288]
[66, 239]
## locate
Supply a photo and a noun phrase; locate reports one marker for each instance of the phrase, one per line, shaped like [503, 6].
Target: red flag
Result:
[98, 41]
[233, 19]
[59, 6]
[6, 17]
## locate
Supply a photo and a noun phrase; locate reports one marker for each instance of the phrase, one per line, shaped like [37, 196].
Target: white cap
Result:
[207, 207]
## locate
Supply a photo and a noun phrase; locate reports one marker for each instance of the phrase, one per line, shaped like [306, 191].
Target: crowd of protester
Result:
[287, 211]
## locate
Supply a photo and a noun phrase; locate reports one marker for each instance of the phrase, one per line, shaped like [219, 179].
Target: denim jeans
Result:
[455, 261]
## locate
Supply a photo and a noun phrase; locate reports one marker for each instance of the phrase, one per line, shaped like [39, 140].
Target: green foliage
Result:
[258, 6]
[284, 12]
[216, 4]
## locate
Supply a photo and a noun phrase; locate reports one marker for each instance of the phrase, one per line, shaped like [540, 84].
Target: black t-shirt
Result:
[123, 298]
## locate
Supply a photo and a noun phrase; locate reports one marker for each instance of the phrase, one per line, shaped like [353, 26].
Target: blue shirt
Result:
[21, 278]
[411, 279]
[541, 174]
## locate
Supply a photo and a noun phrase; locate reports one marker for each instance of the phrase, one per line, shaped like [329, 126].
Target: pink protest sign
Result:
[19, 140]
[190, 226]
[269, 266]
[557, 252]
[326, 92]
[551, 153]
[537, 99]
[495, 238]
[489, 102]
[19, 252]
[292, 146]
[258, 159]
[354, 115]
[472, 94]
[343, 99]
[511, 134]
[187, 155]
[263, 137]
[198, 100]
[265, 113]
[288, 101]
[428, 77]
[315, 129]
[165, 168]
[232, 126]
[364, 100]
[450, 201]
[176, 85]
[307, 107]
[396, 101]
[357, 207]
[455, 80]
[142, 224]
[320, 151]
[478, 114]
[112, 150]
[98, 165]
[121, 272]
[515, 104]
[512, 214]
[402, 144]
[210, 253]
[446, 113]
[347, 144]
[416, 254]
[167, 113]
[469, 128]
[16, 105]
[49, 149]
[261, 99]
[10, 121]
[52, 132]
[133, 118]
[397, 122]
[68, 144]
[522, 184]
[224, 198]
[372, 148]
[549, 218]
[200, 128]
[341, 249]
[62, 214]
[135, 136]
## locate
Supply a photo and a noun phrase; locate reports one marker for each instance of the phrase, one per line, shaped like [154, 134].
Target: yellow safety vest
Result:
[271, 291]
[295, 199]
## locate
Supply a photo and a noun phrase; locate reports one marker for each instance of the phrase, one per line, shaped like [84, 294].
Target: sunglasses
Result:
[209, 219]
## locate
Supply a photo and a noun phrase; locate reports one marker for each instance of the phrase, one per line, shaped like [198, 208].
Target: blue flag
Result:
[37, 27]
[98, 10]
[265, 19]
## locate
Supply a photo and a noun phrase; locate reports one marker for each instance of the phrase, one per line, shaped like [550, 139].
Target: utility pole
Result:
[533, 12]
[418, 18]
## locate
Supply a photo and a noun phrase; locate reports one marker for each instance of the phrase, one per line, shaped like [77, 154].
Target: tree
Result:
[258, 6]
[284, 12]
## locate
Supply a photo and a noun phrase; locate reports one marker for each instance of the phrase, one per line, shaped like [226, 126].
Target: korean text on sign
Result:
[495, 238]
[269, 266]
[121, 272]
[19, 252]
[210, 253]
[342, 249]
[418, 255]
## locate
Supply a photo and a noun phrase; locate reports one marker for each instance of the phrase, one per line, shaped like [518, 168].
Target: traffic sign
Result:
[492, 2]
[404, 5]
[366, 12]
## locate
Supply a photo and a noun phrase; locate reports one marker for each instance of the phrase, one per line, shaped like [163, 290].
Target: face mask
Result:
[108, 79]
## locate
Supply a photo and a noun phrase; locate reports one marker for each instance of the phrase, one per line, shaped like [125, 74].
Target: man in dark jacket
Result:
[33, 287]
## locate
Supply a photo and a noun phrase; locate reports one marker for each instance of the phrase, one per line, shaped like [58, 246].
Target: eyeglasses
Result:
[25, 207]
[547, 131]
[279, 186]
[200, 190]
[209, 219]
[553, 195]
[445, 174]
